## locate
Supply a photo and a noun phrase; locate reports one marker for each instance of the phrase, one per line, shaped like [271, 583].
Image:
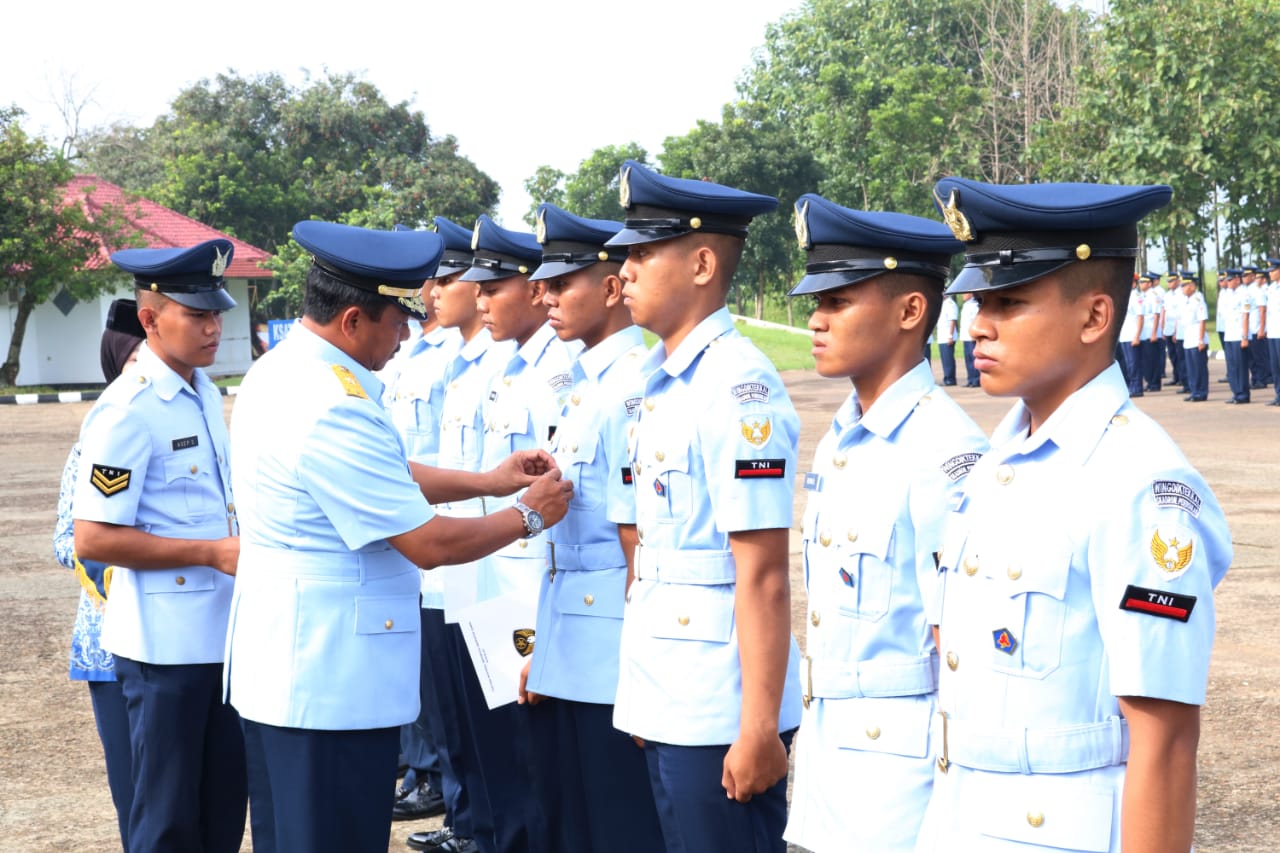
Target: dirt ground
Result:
[53, 790]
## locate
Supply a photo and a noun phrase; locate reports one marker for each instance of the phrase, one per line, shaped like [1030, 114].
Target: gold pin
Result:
[1014, 573]
[1083, 251]
[695, 223]
[602, 255]
[891, 263]
[1036, 819]
[1004, 474]
[824, 538]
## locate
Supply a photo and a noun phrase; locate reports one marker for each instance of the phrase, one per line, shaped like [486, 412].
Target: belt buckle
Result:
[944, 760]
[807, 696]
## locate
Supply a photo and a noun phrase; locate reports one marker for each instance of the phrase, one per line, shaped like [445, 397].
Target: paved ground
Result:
[53, 792]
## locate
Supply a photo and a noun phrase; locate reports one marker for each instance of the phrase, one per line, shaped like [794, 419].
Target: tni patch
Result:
[110, 480]
[1158, 602]
[759, 469]
[1004, 640]
[184, 443]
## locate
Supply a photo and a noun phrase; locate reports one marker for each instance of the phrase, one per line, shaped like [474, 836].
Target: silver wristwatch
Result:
[533, 523]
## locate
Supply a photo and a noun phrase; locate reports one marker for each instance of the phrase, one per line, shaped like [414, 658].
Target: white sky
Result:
[519, 84]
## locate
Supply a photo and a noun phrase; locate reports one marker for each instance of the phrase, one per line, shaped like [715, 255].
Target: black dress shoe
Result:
[1196, 399]
[429, 839]
[422, 801]
[1235, 402]
[459, 845]
[1274, 403]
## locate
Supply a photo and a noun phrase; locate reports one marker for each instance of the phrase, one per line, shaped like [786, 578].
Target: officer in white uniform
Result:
[707, 672]
[591, 779]
[968, 310]
[323, 645]
[1079, 562]
[864, 764]
[1173, 301]
[154, 499]
[1193, 325]
[1130, 343]
[1153, 333]
[948, 320]
[1271, 325]
[1234, 305]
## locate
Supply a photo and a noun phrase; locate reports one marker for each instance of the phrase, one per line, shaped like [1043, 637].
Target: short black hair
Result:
[896, 284]
[1112, 276]
[326, 297]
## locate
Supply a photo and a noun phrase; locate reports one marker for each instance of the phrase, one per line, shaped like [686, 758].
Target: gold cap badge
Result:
[475, 236]
[802, 225]
[624, 188]
[540, 231]
[955, 220]
[219, 262]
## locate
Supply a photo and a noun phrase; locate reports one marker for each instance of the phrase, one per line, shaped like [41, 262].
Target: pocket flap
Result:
[687, 612]
[387, 614]
[600, 594]
[659, 460]
[891, 726]
[1043, 810]
[182, 468]
[515, 422]
[873, 538]
[1047, 575]
[571, 450]
[187, 579]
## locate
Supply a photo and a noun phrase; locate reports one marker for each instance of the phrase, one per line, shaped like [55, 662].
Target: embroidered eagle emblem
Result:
[1171, 556]
[756, 431]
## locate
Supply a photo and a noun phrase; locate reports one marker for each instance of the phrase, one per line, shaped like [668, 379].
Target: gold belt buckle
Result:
[808, 693]
[943, 760]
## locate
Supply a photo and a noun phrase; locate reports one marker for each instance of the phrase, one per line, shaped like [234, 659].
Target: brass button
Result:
[1004, 474]
[659, 455]
[588, 599]
[574, 449]
[852, 535]
[953, 661]
[840, 460]
[457, 419]
[873, 732]
[575, 398]
[971, 565]
[523, 543]
[815, 618]
[648, 404]
[683, 620]
[180, 580]
[1119, 420]
[231, 507]
[506, 380]
[506, 424]
[142, 380]
[388, 624]
[453, 385]
[1014, 573]
[194, 469]
[926, 400]
[1036, 819]
[638, 466]
[824, 538]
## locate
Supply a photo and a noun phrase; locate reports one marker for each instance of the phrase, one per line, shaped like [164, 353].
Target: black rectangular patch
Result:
[493, 395]
[109, 480]
[756, 469]
[626, 476]
[551, 432]
[184, 443]
[1156, 602]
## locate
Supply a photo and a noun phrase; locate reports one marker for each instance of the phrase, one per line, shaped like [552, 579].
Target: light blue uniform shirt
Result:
[415, 403]
[879, 491]
[324, 626]
[1079, 566]
[714, 452]
[153, 454]
[580, 603]
[520, 412]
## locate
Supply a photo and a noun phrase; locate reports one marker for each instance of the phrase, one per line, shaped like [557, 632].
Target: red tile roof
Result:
[161, 227]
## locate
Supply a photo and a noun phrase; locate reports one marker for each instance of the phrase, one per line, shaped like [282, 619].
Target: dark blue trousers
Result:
[112, 718]
[500, 747]
[1259, 361]
[1153, 363]
[1237, 371]
[1135, 368]
[1196, 370]
[1177, 360]
[971, 377]
[696, 815]
[1273, 350]
[321, 791]
[189, 788]
[947, 355]
[591, 781]
[418, 741]
[446, 727]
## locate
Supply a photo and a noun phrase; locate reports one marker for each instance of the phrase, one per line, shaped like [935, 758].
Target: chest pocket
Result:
[666, 484]
[189, 579]
[575, 457]
[194, 477]
[860, 560]
[1031, 595]
[509, 430]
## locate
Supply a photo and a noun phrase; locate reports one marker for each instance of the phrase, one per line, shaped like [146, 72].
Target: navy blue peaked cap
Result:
[392, 264]
[659, 207]
[501, 253]
[190, 276]
[1017, 233]
[845, 246]
[1274, 263]
[571, 243]
[1234, 272]
[457, 247]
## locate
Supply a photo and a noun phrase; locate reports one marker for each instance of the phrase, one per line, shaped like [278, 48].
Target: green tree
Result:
[47, 241]
[750, 150]
[546, 184]
[591, 191]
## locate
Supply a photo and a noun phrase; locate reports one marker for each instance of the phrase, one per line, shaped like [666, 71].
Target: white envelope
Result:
[499, 636]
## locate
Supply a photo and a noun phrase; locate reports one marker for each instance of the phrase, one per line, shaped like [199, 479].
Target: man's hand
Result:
[519, 470]
[225, 554]
[550, 496]
[753, 765]
[524, 696]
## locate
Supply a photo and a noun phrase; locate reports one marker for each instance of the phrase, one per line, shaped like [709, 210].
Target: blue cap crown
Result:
[1018, 233]
[571, 243]
[189, 276]
[392, 264]
[457, 247]
[846, 246]
[659, 207]
[501, 253]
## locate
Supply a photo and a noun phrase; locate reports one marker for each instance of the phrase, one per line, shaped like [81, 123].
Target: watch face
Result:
[533, 520]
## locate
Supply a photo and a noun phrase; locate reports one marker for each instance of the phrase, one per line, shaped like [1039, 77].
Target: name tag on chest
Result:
[184, 443]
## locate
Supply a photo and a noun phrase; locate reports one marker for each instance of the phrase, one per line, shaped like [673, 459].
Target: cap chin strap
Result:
[1009, 257]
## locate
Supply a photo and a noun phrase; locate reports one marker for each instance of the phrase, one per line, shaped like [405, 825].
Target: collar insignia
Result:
[955, 219]
[348, 381]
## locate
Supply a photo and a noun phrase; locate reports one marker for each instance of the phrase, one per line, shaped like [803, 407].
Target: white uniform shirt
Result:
[154, 455]
[950, 314]
[968, 313]
[1132, 317]
[1235, 306]
[1194, 312]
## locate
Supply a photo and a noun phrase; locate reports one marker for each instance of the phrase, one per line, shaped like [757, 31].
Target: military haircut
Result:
[1112, 276]
[894, 284]
[326, 297]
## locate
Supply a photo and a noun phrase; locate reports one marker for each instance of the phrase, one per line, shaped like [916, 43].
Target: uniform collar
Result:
[311, 343]
[163, 378]
[531, 351]
[438, 335]
[893, 407]
[478, 345]
[1077, 425]
[712, 326]
[595, 361]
